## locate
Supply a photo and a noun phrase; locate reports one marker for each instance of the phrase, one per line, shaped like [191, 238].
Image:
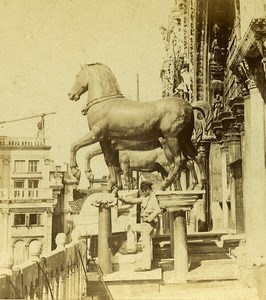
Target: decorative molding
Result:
[253, 40]
[6, 161]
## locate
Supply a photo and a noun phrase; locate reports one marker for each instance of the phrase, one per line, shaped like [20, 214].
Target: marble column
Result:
[203, 211]
[224, 151]
[254, 175]
[234, 152]
[104, 233]
[180, 246]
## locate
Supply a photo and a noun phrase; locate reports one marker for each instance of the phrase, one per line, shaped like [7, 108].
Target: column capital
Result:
[233, 136]
[224, 144]
[104, 199]
[251, 84]
[202, 149]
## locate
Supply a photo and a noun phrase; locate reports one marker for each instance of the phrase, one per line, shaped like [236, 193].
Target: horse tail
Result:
[205, 108]
[185, 136]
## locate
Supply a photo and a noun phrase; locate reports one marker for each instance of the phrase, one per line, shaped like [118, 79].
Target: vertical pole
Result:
[104, 232]
[137, 177]
[180, 246]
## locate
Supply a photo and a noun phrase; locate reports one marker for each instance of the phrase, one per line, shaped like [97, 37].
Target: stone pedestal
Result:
[177, 204]
[105, 202]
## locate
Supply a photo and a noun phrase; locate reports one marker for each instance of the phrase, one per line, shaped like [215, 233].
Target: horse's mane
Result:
[108, 71]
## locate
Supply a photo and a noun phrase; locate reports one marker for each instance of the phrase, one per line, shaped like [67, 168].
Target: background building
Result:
[34, 195]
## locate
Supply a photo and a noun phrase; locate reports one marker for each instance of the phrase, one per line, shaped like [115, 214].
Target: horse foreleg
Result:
[118, 177]
[86, 140]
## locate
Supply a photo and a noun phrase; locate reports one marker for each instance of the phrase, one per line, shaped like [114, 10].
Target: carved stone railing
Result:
[58, 275]
[25, 194]
[22, 142]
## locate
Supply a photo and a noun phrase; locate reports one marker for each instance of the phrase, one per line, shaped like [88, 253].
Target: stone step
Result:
[221, 290]
[143, 287]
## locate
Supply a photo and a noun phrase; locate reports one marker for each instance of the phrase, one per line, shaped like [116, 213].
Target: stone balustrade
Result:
[25, 194]
[22, 141]
[58, 275]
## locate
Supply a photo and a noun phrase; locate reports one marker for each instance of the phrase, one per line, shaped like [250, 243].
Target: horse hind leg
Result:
[111, 157]
[177, 182]
[160, 169]
[118, 177]
[194, 177]
[198, 159]
[173, 146]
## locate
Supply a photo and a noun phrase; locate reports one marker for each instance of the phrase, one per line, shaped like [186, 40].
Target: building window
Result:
[19, 184]
[27, 219]
[33, 184]
[19, 219]
[33, 219]
[33, 166]
[19, 166]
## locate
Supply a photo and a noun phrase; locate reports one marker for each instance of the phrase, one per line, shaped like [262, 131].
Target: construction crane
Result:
[40, 125]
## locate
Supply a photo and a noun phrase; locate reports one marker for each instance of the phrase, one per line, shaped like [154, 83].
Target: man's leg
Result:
[132, 230]
[146, 230]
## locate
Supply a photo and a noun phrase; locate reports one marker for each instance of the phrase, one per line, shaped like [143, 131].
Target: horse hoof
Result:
[192, 187]
[89, 175]
[163, 187]
[178, 188]
[199, 186]
[76, 173]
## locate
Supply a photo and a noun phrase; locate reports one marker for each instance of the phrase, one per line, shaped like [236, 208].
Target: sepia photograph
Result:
[133, 149]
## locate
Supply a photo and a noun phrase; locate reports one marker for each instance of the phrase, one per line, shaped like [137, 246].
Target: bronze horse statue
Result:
[120, 124]
[141, 161]
[155, 160]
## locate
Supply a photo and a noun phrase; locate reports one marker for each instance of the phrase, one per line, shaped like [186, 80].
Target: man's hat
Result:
[145, 184]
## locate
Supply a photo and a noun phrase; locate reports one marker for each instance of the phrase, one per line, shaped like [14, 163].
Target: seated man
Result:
[150, 210]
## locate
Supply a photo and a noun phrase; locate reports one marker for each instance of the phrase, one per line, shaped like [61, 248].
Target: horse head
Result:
[81, 84]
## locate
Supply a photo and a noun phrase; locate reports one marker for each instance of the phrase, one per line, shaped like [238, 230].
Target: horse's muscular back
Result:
[134, 120]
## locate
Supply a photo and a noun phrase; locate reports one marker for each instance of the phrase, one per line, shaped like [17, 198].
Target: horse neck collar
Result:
[99, 100]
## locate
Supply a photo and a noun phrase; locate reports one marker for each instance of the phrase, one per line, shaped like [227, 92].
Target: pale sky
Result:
[44, 41]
